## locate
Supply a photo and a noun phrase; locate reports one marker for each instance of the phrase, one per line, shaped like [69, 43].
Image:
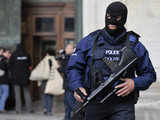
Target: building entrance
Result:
[46, 25]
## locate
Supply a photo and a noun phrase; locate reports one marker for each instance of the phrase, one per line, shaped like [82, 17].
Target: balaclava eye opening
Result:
[115, 10]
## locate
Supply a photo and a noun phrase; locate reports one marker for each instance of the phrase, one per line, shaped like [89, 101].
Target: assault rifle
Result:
[128, 59]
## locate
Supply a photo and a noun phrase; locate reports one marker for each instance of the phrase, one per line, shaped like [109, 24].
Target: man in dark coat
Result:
[68, 96]
[19, 66]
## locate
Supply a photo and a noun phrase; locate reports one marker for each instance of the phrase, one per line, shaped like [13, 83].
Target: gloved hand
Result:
[77, 96]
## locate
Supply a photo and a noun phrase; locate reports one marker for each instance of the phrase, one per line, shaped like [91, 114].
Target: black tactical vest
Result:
[99, 70]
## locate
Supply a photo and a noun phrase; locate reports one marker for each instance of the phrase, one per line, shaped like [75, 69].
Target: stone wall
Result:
[10, 22]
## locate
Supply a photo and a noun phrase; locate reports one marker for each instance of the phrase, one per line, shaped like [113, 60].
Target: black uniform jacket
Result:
[19, 67]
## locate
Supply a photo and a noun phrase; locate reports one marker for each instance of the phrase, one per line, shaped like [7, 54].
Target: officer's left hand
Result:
[125, 88]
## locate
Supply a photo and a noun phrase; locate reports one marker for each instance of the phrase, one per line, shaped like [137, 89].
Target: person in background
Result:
[19, 64]
[47, 99]
[68, 95]
[7, 54]
[10, 103]
[1, 52]
[4, 88]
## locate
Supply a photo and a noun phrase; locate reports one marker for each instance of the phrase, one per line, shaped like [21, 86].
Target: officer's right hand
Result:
[77, 97]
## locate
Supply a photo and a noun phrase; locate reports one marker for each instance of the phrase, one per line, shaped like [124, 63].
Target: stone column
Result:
[93, 15]
[78, 21]
[10, 30]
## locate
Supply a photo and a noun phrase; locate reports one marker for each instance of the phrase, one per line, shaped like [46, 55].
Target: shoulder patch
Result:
[133, 37]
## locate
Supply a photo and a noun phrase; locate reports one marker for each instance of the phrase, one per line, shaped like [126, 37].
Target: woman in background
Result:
[47, 99]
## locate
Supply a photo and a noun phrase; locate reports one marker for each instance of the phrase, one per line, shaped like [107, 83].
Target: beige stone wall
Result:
[93, 15]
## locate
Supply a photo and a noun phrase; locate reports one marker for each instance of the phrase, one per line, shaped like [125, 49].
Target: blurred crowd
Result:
[15, 70]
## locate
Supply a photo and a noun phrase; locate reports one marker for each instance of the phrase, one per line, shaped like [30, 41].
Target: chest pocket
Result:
[99, 65]
[99, 54]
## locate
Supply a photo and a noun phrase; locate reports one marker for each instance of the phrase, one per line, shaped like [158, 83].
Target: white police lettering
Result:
[113, 58]
[74, 54]
[112, 52]
[112, 55]
[22, 58]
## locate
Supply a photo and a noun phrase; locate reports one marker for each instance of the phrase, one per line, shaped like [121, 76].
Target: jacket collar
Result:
[111, 40]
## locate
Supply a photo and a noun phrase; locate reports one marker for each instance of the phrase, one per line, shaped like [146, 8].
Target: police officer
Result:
[108, 45]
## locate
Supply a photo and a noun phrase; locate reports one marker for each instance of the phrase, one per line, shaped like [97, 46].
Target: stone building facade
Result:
[10, 22]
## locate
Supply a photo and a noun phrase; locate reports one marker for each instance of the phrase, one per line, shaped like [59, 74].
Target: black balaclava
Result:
[116, 9]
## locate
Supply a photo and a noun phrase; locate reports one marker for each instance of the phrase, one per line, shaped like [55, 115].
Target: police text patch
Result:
[113, 55]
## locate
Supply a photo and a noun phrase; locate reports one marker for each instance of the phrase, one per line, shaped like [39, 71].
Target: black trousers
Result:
[116, 108]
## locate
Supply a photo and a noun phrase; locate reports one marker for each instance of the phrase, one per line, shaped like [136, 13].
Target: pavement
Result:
[147, 108]
[34, 116]
[58, 112]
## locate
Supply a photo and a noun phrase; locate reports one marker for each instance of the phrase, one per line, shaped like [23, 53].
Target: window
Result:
[69, 24]
[44, 24]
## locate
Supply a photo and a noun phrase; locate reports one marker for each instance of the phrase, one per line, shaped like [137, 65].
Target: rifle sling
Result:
[92, 68]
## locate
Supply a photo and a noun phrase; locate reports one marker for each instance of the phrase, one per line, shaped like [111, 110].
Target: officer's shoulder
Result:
[90, 36]
[138, 46]
[87, 42]
[133, 37]
[93, 36]
[94, 33]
